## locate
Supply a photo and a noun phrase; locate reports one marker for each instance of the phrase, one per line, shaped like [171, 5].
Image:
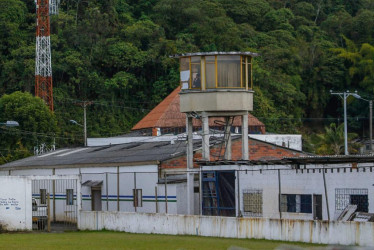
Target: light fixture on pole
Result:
[10, 124]
[344, 96]
[84, 129]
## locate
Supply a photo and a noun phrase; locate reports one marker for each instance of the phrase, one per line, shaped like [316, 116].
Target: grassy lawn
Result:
[119, 240]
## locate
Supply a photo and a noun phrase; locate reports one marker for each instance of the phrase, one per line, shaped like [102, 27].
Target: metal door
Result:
[317, 207]
[96, 199]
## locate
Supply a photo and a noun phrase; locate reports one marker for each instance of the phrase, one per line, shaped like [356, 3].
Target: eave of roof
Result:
[336, 159]
[244, 53]
[167, 115]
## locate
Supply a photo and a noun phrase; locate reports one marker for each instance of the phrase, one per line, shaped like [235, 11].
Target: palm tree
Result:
[332, 141]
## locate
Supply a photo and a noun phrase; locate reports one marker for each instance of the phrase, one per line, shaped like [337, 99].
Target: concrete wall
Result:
[289, 141]
[146, 179]
[216, 100]
[300, 181]
[15, 203]
[322, 232]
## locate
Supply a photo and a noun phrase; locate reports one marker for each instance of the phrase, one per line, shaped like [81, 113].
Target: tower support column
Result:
[190, 175]
[245, 153]
[205, 146]
[228, 139]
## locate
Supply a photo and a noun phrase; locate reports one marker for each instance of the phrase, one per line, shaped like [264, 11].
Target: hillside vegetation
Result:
[116, 54]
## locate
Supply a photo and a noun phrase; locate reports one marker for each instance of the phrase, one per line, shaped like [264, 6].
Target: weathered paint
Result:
[287, 140]
[15, 203]
[321, 232]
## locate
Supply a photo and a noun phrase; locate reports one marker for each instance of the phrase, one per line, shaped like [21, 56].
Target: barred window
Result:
[138, 197]
[43, 196]
[296, 203]
[69, 197]
[352, 196]
[252, 202]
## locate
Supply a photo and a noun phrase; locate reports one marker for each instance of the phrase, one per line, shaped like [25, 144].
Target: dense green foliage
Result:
[32, 115]
[116, 53]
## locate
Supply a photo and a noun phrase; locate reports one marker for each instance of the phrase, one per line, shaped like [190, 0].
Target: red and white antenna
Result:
[43, 64]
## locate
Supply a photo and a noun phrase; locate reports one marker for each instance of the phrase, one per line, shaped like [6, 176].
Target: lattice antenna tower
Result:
[43, 64]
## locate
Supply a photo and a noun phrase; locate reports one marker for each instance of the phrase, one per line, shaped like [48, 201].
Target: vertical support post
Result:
[200, 192]
[205, 146]
[190, 176]
[79, 198]
[371, 124]
[166, 194]
[246, 72]
[326, 197]
[84, 124]
[203, 74]
[54, 195]
[345, 124]
[156, 198]
[107, 192]
[135, 195]
[239, 213]
[48, 212]
[118, 188]
[245, 153]
[279, 195]
[227, 139]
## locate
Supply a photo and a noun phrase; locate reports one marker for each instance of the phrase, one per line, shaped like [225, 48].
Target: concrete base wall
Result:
[15, 203]
[321, 232]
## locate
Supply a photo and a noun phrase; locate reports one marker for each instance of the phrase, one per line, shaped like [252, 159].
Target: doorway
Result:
[218, 193]
[96, 198]
[317, 207]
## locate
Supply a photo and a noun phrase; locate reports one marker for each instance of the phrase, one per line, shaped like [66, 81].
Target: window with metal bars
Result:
[138, 197]
[43, 196]
[69, 197]
[252, 202]
[352, 196]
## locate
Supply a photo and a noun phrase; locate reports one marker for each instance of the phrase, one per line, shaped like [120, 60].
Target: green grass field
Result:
[119, 240]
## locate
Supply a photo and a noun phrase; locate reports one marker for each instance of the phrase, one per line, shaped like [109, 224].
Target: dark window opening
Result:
[296, 203]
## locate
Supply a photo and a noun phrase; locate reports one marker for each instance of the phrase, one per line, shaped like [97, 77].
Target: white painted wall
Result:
[146, 179]
[301, 181]
[321, 232]
[289, 141]
[119, 140]
[15, 203]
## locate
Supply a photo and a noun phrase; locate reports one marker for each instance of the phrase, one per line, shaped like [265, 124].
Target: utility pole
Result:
[371, 124]
[84, 104]
[344, 96]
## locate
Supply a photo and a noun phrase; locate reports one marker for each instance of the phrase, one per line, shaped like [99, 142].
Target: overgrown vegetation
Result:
[116, 53]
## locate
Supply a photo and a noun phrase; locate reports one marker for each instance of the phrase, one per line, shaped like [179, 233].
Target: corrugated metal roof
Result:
[247, 53]
[133, 153]
[167, 115]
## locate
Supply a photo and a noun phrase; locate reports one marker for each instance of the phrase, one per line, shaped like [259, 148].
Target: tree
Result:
[332, 141]
[361, 68]
[37, 123]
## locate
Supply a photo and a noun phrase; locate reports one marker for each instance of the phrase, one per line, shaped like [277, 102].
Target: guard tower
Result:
[215, 84]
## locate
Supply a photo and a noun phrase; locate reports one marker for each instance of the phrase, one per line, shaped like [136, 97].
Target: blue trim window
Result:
[69, 197]
[296, 203]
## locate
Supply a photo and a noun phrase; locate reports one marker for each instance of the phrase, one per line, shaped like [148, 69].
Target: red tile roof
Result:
[167, 115]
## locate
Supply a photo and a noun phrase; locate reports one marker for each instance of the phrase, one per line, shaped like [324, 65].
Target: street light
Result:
[10, 124]
[344, 96]
[84, 129]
